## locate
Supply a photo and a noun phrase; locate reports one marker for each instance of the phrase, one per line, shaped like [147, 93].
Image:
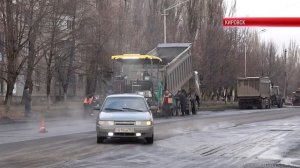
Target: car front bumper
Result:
[145, 131]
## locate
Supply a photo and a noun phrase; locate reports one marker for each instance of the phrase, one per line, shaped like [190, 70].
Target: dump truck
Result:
[175, 70]
[254, 92]
[276, 97]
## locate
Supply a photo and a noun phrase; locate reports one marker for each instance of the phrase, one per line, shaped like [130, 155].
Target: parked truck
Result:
[254, 92]
[276, 97]
[296, 97]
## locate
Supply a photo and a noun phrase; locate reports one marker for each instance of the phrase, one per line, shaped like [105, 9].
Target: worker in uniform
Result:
[167, 104]
[87, 104]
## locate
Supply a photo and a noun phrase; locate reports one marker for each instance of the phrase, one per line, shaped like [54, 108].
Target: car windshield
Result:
[117, 104]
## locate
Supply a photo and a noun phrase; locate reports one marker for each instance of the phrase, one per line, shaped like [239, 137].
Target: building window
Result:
[127, 4]
[66, 23]
[69, 24]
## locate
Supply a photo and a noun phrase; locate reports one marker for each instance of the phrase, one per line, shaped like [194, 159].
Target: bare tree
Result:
[98, 29]
[97, 41]
[53, 35]
[61, 29]
[15, 30]
[36, 11]
[66, 72]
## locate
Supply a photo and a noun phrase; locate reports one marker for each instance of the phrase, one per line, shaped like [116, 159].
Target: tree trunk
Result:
[9, 93]
[91, 78]
[65, 90]
[65, 97]
[49, 66]
[30, 64]
[10, 41]
[49, 79]
[31, 50]
[50, 58]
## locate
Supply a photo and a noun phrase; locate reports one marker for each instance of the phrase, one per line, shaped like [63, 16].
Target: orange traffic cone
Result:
[42, 127]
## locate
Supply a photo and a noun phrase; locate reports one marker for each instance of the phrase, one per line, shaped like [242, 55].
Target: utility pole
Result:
[245, 61]
[165, 26]
[262, 67]
[285, 75]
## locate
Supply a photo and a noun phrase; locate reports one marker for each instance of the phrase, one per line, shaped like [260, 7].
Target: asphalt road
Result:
[246, 138]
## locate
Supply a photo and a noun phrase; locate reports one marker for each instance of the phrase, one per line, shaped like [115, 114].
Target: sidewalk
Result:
[75, 110]
[217, 105]
[16, 112]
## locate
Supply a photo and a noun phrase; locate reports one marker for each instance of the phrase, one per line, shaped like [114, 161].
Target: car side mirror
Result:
[153, 108]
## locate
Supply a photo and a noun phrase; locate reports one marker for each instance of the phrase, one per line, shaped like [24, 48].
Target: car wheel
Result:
[149, 140]
[281, 104]
[100, 139]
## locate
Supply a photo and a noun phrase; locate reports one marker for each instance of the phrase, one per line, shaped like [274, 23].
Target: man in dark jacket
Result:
[198, 101]
[182, 99]
[193, 102]
[27, 101]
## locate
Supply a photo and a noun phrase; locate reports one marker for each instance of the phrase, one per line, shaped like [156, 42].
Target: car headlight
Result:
[148, 123]
[106, 123]
[143, 123]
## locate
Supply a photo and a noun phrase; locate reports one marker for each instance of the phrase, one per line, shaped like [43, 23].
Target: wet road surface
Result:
[248, 138]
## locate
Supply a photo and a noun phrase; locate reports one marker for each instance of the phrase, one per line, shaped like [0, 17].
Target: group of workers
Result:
[180, 104]
[184, 102]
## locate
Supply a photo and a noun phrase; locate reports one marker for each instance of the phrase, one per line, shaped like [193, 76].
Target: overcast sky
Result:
[272, 8]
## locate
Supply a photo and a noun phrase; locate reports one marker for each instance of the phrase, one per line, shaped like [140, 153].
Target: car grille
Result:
[124, 123]
[124, 134]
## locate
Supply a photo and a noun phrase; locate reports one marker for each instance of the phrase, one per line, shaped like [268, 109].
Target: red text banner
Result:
[262, 22]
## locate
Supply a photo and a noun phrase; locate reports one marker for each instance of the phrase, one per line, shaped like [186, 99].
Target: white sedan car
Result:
[125, 116]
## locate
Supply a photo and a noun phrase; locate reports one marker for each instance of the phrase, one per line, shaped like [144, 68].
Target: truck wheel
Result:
[260, 106]
[279, 105]
[264, 105]
[100, 139]
[149, 140]
[241, 105]
[268, 102]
